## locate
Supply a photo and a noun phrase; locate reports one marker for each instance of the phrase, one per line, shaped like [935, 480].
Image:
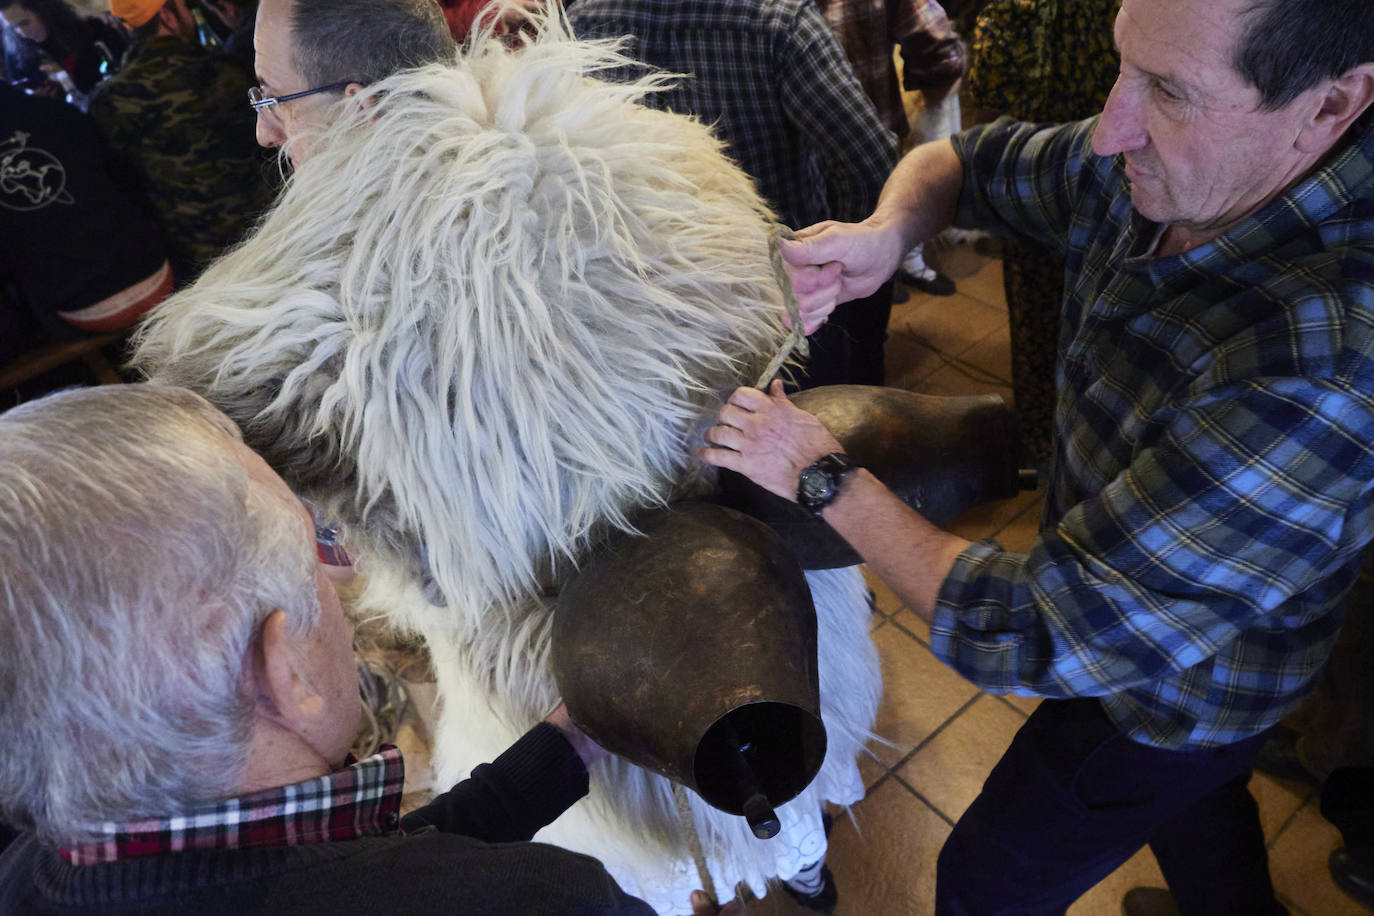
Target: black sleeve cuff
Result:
[526, 788]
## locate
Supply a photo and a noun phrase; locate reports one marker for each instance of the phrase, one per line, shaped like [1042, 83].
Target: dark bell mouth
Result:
[759, 756]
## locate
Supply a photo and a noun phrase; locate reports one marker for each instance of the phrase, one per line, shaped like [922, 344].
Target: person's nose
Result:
[1121, 128]
[270, 132]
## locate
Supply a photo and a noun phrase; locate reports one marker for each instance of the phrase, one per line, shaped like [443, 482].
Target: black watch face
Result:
[814, 485]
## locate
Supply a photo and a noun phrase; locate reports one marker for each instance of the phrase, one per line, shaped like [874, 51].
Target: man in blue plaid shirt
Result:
[1213, 486]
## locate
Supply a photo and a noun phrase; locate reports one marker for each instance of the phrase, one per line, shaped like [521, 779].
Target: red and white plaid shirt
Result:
[363, 799]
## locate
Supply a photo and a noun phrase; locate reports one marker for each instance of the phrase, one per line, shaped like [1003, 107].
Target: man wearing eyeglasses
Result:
[175, 114]
[311, 53]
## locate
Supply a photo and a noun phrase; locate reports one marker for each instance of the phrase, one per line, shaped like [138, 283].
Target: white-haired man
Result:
[180, 697]
[1213, 488]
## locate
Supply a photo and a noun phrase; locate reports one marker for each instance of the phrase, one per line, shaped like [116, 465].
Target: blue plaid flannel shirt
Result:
[1211, 496]
[774, 83]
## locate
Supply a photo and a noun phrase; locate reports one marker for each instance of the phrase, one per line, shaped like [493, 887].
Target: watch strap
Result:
[834, 466]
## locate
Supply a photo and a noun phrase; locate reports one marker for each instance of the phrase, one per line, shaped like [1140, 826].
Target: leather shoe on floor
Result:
[932, 283]
[1148, 901]
[1353, 877]
[823, 901]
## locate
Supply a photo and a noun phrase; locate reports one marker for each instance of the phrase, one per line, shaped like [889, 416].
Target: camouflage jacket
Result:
[179, 114]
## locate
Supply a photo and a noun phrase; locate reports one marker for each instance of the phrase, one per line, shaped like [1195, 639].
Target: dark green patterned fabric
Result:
[1042, 61]
[179, 114]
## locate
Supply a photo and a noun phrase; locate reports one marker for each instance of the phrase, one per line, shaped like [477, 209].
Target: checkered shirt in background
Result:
[363, 799]
[1213, 488]
[773, 81]
[868, 30]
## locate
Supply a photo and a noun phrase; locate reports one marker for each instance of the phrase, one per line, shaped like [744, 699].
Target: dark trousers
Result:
[848, 348]
[1073, 798]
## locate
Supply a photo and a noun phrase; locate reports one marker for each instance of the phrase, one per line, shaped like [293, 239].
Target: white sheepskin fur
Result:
[487, 319]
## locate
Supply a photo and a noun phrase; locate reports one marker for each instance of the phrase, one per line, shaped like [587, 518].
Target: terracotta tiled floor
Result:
[944, 734]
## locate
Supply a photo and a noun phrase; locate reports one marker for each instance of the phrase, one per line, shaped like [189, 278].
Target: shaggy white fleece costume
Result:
[488, 318]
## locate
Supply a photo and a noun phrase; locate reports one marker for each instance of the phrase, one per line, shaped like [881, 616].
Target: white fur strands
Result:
[488, 318]
[502, 258]
[629, 821]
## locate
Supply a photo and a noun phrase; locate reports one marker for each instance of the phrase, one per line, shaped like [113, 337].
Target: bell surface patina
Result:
[690, 649]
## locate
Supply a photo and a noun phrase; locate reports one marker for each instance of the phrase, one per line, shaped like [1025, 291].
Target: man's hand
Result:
[703, 905]
[830, 263]
[767, 439]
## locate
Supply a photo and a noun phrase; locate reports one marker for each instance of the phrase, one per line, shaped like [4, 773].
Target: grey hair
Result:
[365, 41]
[137, 560]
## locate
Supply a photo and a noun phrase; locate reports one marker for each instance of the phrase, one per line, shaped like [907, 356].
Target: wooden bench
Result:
[46, 357]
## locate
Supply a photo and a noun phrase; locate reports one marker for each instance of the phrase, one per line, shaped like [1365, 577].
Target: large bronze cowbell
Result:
[691, 651]
[940, 455]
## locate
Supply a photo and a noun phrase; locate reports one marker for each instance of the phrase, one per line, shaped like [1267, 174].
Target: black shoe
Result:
[1355, 878]
[1148, 901]
[934, 284]
[823, 901]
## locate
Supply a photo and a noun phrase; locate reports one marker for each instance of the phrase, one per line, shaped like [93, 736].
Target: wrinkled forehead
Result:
[1191, 41]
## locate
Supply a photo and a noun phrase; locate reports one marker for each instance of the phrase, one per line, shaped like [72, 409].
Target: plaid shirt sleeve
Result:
[1025, 181]
[1210, 534]
[1246, 501]
[828, 107]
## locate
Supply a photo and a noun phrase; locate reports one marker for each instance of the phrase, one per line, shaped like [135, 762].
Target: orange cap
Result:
[135, 13]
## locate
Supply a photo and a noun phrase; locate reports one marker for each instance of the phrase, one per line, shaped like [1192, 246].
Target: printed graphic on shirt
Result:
[30, 178]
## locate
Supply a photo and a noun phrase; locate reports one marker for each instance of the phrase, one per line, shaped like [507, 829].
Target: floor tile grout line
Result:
[869, 790]
[932, 736]
[1038, 505]
[905, 329]
[924, 642]
[1288, 902]
[1009, 704]
[913, 382]
[919, 301]
[1312, 794]
[957, 361]
[927, 802]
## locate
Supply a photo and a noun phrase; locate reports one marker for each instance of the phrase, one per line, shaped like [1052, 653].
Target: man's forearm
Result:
[903, 549]
[922, 194]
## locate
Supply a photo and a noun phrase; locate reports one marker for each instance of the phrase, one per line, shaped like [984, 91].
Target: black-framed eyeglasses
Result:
[261, 101]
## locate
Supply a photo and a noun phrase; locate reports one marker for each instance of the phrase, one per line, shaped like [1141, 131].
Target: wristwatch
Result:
[820, 482]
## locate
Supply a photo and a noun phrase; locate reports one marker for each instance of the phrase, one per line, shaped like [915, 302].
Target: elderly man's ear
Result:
[353, 89]
[1344, 100]
[286, 690]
